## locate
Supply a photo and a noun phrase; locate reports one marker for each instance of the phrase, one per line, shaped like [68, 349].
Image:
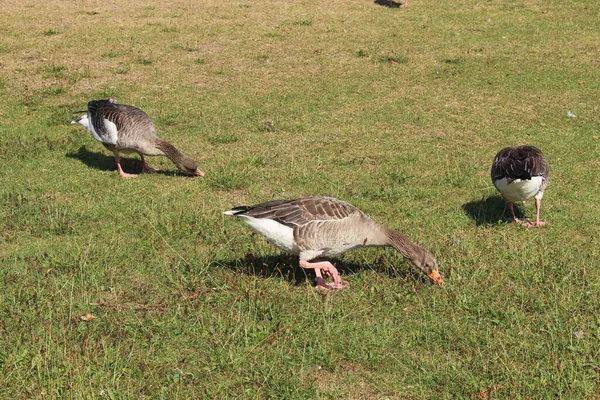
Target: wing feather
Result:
[299, 212]
[109, 119]
[522, 162]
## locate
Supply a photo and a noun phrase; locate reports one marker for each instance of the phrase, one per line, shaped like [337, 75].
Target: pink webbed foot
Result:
[328, 269]
[537, 222]
[126, 175]
[321, 285]
[534, 224]
[526, 221]
[146, 168]
[120, 169]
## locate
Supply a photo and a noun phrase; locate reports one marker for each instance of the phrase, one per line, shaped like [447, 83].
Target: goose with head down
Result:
[311, 227]
[127, 129]
[521, 173]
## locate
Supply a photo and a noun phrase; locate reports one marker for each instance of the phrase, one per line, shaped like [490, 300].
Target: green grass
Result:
[51, 32]
[143, 61]
[398, 111]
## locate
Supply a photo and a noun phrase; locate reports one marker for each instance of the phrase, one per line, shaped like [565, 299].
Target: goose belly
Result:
[520, 189]
[277, 234]
[331, 238]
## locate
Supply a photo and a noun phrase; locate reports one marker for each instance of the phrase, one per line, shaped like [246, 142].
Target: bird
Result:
[521, 173]
[126, 129]
[316, 226]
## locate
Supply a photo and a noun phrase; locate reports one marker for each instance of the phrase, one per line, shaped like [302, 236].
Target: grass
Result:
[143, 61]
[51, 32]
[399, 111]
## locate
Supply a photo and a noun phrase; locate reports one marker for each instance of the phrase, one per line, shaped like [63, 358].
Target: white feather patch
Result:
[83, 120]
[521, 189]
[112, 134]
[277, 234]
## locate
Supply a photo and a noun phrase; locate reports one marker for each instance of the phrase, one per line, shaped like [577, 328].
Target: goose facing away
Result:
[520, 174]
[127, 129]
[311, 227]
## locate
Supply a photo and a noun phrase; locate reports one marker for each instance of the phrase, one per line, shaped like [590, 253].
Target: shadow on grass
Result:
[492, 210]
[103, 162]
[286, 267]
[388, 3]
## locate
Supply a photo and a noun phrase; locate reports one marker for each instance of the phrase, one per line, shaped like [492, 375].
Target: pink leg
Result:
[121, 172]
[146, 167]
[320, 281]
[329, 269]
[511, 208]
[537, 222]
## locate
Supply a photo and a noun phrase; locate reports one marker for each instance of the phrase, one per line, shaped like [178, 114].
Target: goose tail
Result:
[83, 120]
[237, 210]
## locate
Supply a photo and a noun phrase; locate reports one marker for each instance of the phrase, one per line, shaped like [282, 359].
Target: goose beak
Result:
[198, 172]
[436, 277]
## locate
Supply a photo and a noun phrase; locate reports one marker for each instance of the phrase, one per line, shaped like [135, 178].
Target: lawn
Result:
[142, 289]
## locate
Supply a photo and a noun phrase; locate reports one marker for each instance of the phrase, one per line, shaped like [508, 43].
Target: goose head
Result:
[188, 165]
[427, 263]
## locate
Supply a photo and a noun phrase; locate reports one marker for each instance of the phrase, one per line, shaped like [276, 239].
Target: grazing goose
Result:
[323, 226]
[521, 173]
[127, 129]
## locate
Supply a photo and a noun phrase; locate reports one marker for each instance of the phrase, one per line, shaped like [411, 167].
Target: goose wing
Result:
[299, 212]
[522, 162]
[103, 116]
[108, 120]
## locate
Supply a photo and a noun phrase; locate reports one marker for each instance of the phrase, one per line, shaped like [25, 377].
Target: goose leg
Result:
[537, 222]
[121, 172]
[320, 281]
[511, 208]
[146, 167]
[329, 269]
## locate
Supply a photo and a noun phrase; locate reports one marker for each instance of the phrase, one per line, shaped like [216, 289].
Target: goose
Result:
[127, 129]
[311, 227]
[521, 173]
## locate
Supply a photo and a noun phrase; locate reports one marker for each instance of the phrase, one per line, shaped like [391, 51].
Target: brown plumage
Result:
[311, 227]
[127, 129]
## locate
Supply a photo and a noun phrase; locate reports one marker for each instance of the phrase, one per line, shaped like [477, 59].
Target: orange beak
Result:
[436, 277]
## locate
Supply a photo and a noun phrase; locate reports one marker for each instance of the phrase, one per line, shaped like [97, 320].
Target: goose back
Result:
[521, 162]
[126, 127]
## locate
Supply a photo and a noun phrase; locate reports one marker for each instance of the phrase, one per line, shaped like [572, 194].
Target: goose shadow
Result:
[285, 266]
[388, 3]
[491, 210]
[98, 160]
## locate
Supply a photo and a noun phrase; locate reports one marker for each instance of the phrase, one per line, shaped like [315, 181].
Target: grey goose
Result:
[521, 173]
[127, 129]
[311, 227]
